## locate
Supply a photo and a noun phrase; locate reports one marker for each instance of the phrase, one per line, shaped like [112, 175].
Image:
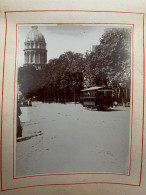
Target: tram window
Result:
[100, 93]
[105, 93]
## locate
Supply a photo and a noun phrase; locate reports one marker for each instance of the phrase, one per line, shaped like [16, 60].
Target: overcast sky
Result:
[60, 39]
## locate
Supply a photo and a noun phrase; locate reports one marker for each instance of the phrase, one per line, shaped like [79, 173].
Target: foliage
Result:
[109, 64]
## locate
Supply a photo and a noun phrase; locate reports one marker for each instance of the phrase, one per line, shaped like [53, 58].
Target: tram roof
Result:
[96, 88]
[92, 88]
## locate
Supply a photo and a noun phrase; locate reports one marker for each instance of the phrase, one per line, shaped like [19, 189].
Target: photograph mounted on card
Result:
[74, 81]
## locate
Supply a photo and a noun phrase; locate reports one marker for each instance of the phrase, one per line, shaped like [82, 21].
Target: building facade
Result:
[35, 52]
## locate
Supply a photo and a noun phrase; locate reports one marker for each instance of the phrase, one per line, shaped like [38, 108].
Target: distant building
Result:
[94, 48]
[35, 53]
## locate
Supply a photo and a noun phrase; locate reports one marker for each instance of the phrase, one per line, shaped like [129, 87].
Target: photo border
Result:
[132, 79]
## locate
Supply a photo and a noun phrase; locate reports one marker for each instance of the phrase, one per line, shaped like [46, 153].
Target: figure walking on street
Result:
[19, 128]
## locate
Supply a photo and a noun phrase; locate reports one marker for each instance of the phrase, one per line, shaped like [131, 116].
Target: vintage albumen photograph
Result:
[73, 99]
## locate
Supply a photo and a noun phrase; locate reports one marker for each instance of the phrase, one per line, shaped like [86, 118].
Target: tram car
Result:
[98, 97]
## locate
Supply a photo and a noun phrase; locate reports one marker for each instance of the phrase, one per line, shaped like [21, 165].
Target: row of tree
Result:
[63, 78]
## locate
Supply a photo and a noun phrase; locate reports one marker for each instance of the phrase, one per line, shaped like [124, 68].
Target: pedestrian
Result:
[19, 128]
[29, 102]
[115, 103]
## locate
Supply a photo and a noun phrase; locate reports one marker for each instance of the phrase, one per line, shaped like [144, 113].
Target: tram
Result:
[98, 97]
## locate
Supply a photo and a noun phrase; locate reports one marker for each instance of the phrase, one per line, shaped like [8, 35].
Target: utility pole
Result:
[102, 65]
[65, 94]
[74, 95]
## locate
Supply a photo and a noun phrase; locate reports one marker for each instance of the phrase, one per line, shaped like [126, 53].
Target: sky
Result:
[60, 39]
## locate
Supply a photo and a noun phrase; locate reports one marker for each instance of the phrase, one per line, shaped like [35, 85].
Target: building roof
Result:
[34, 35]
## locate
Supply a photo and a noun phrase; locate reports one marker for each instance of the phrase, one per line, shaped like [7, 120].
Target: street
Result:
[60, 138]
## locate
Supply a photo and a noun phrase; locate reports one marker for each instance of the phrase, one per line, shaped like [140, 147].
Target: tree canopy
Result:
[111, 61]
[109, 64]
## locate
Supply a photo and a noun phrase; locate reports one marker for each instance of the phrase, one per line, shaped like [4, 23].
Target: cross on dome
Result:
[35, 27]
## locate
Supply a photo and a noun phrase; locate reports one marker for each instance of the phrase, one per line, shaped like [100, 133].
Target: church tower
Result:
[35, 53]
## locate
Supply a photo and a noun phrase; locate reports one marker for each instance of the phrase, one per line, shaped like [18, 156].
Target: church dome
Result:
[35, 53]
[35, 35]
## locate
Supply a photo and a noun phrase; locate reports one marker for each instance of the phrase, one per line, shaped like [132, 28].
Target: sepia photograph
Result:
[73, 99]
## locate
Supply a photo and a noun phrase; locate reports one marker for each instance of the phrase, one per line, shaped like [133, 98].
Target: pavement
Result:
[59, 138]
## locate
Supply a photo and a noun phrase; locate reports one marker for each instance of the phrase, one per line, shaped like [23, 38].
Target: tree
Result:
[28, 79]
[116, 53]
[110, 63]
